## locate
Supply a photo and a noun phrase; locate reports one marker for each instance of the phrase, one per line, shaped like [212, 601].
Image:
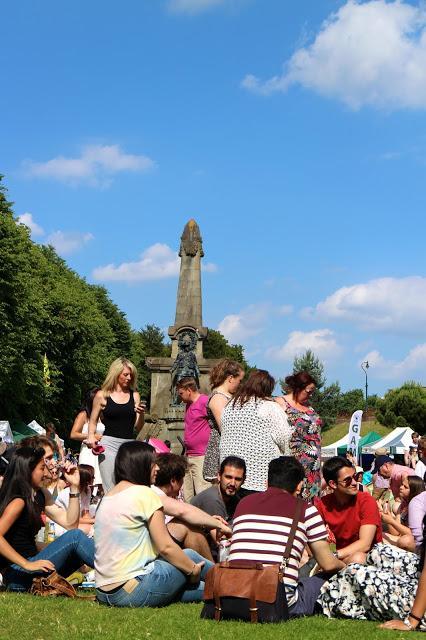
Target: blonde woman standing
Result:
[122, 415]
[225, 378]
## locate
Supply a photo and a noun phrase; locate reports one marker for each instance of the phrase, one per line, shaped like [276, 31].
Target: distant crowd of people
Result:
[147, 527]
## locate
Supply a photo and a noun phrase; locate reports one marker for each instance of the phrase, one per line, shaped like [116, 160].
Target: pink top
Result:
[197, 429]
[398, 472]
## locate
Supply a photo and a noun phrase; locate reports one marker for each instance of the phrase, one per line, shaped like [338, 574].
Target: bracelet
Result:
[408, 624]
[75, 495]
[411, 615]
[190, 573]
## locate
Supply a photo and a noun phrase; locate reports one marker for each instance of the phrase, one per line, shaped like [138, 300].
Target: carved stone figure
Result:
[185, 365]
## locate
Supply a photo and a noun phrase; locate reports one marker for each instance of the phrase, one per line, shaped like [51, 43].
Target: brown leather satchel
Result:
[249, 590]
[55, 585]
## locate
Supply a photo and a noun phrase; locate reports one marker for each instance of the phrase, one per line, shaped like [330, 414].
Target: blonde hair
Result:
[114, 371]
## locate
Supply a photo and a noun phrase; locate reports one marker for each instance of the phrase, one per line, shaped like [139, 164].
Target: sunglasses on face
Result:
[346, 482]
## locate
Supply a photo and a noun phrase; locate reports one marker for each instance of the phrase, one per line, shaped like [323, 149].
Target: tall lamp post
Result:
[365, 366]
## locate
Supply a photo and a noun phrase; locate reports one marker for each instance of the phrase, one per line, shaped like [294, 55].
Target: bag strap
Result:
[296, 519]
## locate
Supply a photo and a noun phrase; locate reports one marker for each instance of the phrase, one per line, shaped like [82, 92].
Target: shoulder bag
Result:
[247, 590]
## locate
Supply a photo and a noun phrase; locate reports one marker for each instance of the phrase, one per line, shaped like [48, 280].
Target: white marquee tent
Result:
[331, 449]
[397, 441]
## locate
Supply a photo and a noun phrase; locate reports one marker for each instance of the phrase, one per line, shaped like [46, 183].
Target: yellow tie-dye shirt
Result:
[123, 546]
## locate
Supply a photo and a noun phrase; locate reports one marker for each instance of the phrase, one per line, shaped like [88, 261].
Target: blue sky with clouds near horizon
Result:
[293, 132]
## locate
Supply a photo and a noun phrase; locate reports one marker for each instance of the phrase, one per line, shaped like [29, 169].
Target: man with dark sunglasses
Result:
[352, 515]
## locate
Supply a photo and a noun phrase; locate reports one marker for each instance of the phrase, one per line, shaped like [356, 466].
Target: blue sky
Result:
[293, 132]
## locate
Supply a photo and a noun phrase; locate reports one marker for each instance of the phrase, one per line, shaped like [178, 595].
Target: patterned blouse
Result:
[305, 445]
[257, 432]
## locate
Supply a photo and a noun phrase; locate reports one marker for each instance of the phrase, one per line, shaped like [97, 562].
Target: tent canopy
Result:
[20, 431]
[397, 441]
[6, 432]
[331, 449]
[368, 439]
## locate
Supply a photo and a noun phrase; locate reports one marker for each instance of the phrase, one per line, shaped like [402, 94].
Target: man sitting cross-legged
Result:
[262, 524]
[183, 520]
[352, 516]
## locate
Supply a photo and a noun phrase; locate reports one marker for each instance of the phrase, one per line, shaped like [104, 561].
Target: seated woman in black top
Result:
[122, 414]
[22, 500]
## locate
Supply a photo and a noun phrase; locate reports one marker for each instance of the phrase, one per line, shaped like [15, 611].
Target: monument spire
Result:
[188, 303]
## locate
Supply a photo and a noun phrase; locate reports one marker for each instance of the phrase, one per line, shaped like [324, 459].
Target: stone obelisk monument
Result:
[187, 335]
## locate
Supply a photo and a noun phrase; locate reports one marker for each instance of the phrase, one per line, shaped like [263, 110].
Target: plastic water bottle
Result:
[224, 549]
[51, 534]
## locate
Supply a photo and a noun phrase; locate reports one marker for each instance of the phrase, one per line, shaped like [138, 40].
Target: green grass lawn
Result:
[340, 430]
[25, 617]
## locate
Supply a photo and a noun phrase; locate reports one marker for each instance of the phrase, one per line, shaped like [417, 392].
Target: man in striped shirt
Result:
[262, 524]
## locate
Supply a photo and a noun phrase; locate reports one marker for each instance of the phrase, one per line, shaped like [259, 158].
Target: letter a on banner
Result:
[354, 433]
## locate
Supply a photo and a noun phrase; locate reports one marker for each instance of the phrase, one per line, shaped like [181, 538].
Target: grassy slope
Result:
[25, 617]
[339, 430]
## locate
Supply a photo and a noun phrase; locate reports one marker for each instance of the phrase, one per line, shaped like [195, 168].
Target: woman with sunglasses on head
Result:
[305, 423]
[22, 500]
[137, 563]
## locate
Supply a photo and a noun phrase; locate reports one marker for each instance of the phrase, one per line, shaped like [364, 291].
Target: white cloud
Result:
[68, 242]
[285, 310]
[321, 341]
[394, 305]
[413, 365]
[192, 7]
[248, 322]
[95, 166]
[369, 53]
[157, 262]
[209, 267]
[28, 220]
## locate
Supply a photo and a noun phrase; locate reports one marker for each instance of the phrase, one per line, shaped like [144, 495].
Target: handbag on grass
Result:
[248, 590]
[55, 585]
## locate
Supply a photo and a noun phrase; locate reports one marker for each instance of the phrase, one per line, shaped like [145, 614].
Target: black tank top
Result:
[119, 419]
[21, 535]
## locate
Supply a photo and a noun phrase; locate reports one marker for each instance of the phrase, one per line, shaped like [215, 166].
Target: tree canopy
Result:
[46, 308]
[404, 407]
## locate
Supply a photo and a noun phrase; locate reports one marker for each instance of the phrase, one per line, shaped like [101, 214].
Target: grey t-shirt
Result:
[212, 503]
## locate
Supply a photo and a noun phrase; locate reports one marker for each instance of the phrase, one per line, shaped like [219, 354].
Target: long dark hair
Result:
[299, 381]
[417, 485]
[260, 384]
[87, 475]
[87, 405]
[17, 482]
[134, 462]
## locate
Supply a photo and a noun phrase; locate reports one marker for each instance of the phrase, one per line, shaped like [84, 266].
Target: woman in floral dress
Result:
[305, 441]
[382, 589]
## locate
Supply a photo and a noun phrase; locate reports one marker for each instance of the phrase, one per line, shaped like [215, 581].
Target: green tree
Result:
[404, 407]
[351, 401]
[309, 362]
[148, 342]
[217, 346]
[46, 308]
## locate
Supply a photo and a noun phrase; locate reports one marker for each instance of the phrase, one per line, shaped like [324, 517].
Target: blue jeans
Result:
[165, 584]
[68, 553]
